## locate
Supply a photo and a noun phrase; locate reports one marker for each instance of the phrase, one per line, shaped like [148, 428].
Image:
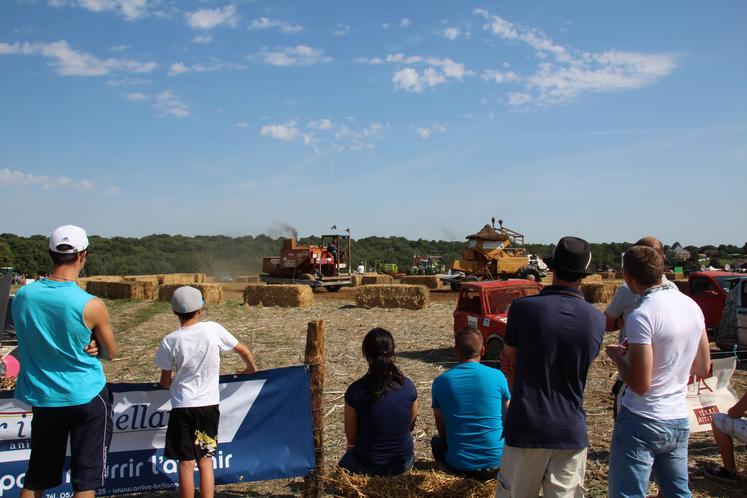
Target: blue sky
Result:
[607, 120]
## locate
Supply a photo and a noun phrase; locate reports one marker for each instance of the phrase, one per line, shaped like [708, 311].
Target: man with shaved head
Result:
[624, 301]
[469, 402]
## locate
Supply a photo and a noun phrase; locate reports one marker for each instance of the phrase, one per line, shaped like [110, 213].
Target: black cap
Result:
[571, 254]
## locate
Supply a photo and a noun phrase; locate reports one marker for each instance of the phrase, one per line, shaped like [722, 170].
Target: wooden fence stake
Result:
[314, 482]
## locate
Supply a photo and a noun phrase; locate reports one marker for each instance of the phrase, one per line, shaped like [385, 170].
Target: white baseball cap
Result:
[186, 299]
[68, 239]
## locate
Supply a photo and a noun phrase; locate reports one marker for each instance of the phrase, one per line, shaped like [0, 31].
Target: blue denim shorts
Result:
[641, 445]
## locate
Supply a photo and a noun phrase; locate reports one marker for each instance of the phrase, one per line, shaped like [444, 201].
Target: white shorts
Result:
[735, 427]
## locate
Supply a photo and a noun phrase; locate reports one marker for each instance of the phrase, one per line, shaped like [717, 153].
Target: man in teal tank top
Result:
[62, 332]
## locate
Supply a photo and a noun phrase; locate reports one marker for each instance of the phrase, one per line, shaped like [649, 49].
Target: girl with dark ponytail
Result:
[380, 412]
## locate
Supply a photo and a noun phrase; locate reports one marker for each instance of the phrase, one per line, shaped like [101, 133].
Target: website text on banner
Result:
[265, 433]
[714, 394]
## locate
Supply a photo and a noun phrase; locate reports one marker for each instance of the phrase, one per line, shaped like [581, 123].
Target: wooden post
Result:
[314, 482]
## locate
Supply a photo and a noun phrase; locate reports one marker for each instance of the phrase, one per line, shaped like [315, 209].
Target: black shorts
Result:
[89, 427]
[192, 432]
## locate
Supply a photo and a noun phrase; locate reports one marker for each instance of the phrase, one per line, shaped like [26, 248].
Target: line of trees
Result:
[220, 255]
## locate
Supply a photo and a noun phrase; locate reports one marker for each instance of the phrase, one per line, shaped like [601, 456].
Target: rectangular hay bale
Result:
[376, 278]
[176, 278]
[286, 296]
[247, 279]
[142, 278]
[600, 292]
[594, 277]
[412, 297]
[211, 293]
[356, 279]
[430, 281]
[122, 290]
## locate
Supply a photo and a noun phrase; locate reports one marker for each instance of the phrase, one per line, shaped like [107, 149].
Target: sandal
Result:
[719, 473]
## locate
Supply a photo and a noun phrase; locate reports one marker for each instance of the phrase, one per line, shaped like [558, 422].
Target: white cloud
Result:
[15, 178]
[130, 9]
[404, 23]
[214, 65]
[210, 18]
[564, 74]
[320, 124]
[168, 103]
[69, 62]
[437, 72]
[136, 97]
[119, 48]
[129, 82]
[425, 132]
[451, 33]
[300, 55]
[202, 39]
[500, 76]
[263, 23]
[242, 124]
[286, 132]
[342, 29]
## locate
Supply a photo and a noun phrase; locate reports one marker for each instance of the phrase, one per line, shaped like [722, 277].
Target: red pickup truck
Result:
[484, 305]
[709, 290]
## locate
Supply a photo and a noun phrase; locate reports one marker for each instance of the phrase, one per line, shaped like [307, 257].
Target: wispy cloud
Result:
[69, 62]
[320, 124]
[167, 103]
[437, 71]
[405, 23]
[130, 9]
[15, 178]
[203, 39]
[564, 73]
[300, 55]
[136, 97]
[426, 132]
[242, 124]
[286, 132]
[451, 33]
[500, 76]
[264, 23]
[214, 65]
[211, 18]
[342, 29]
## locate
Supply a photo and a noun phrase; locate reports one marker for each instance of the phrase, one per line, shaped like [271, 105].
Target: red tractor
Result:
[326, 265]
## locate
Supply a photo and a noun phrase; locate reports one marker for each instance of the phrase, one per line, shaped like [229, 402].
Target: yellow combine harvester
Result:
[493, 254]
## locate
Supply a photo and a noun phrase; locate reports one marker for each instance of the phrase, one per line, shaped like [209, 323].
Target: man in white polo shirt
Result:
[667, 342]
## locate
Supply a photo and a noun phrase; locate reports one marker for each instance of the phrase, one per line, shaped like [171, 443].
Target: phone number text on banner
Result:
[265, 433]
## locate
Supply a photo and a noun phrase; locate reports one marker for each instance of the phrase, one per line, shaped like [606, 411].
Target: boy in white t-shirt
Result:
[194, 350]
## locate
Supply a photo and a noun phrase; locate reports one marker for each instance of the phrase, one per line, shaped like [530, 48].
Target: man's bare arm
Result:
[635, 365]
[246, 355]
[96, 317]
[702, 363]
[166, 379]
[440, 426]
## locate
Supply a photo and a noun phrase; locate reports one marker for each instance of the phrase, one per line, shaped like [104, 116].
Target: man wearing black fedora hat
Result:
[551, 338]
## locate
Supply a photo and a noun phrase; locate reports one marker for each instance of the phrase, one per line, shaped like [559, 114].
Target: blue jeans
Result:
[351, 463]
[640, 445]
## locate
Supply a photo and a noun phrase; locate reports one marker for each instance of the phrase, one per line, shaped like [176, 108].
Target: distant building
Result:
[678, 254]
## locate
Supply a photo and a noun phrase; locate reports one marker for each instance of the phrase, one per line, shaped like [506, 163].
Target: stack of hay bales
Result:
[142, 278]
[211, 293]
[356, 279]
[200, 278]
[122, 290]
[594, 277]
[413, 297]
[600, 292]
[430, 281]
[176, 278]
[247, 279]
[376, 278]
[287, 296]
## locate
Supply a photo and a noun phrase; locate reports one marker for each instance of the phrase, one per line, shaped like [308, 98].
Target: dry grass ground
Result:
[424, 341]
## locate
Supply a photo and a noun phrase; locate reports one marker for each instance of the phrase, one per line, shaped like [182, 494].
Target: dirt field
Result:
[423, 340]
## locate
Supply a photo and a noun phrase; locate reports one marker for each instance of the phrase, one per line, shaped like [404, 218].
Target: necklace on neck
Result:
[62, 279]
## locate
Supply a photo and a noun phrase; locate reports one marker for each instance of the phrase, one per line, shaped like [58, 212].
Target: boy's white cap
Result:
[68, 239]
[186, 300]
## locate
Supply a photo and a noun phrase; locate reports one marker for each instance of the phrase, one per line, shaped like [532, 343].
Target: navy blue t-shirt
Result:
[557, 335]
[384, 439]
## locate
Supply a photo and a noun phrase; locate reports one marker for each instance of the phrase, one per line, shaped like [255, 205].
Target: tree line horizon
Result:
[220, 255]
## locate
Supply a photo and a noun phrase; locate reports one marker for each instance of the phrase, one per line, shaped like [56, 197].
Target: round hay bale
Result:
[413, 297]
[286, 296]
[211, 293]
